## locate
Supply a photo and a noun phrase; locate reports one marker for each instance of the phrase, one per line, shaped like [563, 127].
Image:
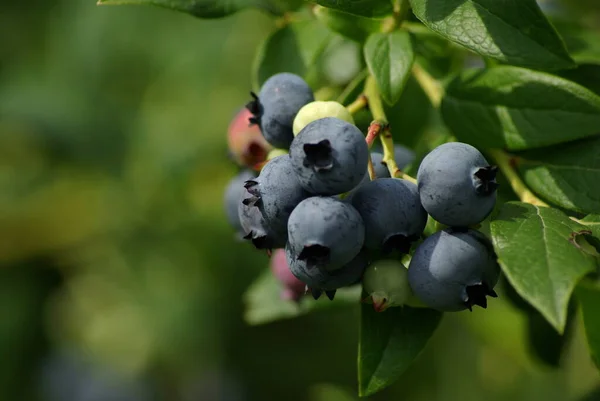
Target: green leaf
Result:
[588, 295]
[587, 75]
[389, 58]
[293, 48]
[409, 117]
[213, 8]
[389, 342]
[583, 44]
[514, 32]
[434, 53]
[365, 8]
[566, 175]
[538, 255]
[592, 222]
[517, 109]
[349, 25]
[264, 305]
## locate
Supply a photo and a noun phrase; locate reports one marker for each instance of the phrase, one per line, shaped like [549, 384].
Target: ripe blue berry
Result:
[254, 226]
[325, 232]
[276, 192]
[233, 196]
[330, 156]
[319, 279]
[381, 169]
[391, 212]
[276, 106]
[403, 156]
[453, 270]
[457, 185]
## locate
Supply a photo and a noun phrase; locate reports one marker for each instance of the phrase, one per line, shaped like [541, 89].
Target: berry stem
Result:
[432, 88]
[357, 105]
[380, 127]
[351, 87]
[371, 169]
[506, 164]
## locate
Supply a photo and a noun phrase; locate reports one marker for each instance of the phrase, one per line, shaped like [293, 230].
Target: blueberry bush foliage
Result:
[516, 82]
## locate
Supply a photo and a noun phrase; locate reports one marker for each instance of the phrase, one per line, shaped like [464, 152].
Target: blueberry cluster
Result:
[331, 226]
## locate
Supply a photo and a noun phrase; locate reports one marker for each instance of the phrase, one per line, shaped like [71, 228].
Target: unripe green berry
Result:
[386, 282]
[275, 153]
[320, 109]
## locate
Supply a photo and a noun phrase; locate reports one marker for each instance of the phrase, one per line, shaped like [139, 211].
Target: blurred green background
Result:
[119, 277]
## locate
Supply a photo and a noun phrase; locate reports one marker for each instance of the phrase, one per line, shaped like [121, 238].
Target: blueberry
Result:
[386, 282]
[391, 212]
[457, 185]
[276, 192]
[325, 232]
[276, 106]
[320, 109]
[319, 280]
[254, 226]
[403, 156]
[381, 169]
[293, 289]
[233, 196]
[453, 270]
[330, 156]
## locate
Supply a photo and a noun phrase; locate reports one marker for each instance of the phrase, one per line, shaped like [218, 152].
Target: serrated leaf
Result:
[517, 109]
[538, 255]
[365, 8]
[514, 32]
[351, 26]
[566, 175]
[390, 57]
[389, 343]
[213, 8]
[588, 295]
[264, 304]
[293, 48]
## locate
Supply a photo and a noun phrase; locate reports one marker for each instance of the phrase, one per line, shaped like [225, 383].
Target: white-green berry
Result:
[320, 109]
[386, 282]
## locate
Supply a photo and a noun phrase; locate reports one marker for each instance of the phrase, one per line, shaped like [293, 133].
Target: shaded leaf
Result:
[365, 8]
[264, 304]
[351, 26]
[515, 108]
[514, 32]
[389, 342]
[588, 295]
[566, 175]
[213, 8]
[293, 48]
[538, 256]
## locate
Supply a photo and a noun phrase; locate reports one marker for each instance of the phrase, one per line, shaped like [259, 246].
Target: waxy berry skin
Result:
[457, 185]
[453, 270]
[330, 156]
[276, 106]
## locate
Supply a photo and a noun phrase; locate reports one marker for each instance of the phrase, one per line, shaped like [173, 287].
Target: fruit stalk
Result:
[506, 164]
[357, 105]
[376, 107]
[432, 88]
